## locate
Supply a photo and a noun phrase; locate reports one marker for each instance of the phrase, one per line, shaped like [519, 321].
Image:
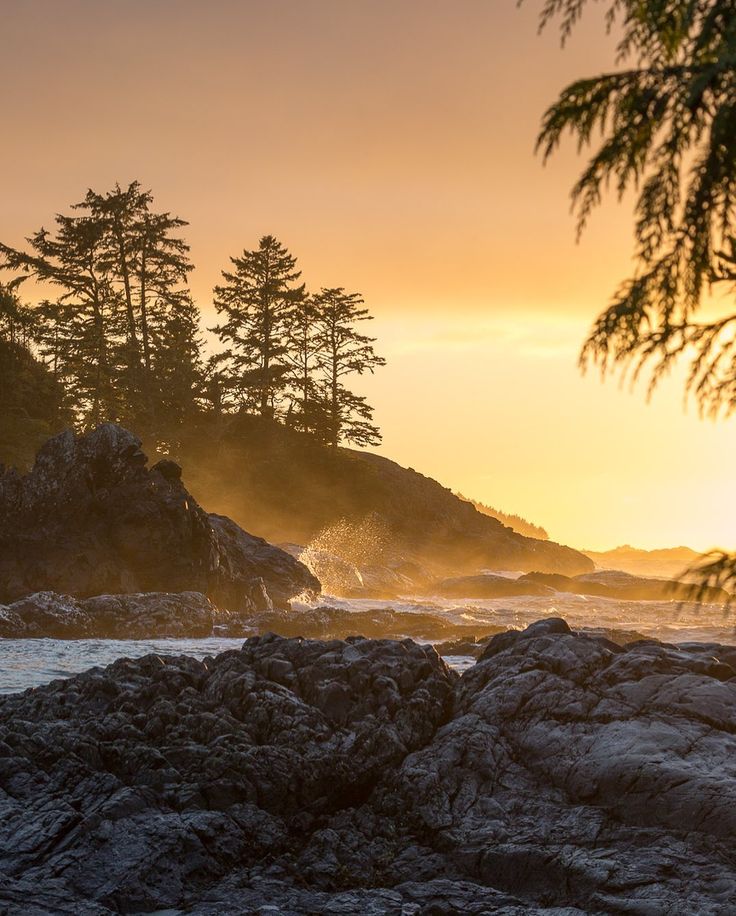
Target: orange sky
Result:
[389, 144]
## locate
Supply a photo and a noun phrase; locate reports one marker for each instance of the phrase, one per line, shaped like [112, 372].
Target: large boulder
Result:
[562, 774]
[90, 518]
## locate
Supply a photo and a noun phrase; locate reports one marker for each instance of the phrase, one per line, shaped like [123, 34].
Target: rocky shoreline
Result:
[91, 519]
[561, 774]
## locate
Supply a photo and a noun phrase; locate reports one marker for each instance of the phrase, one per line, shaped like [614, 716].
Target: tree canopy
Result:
[116, 336]
[32, 403]
[287, 353]
[662, 125]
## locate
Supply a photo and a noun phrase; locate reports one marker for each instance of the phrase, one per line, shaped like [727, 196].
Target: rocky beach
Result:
[560, 774]
[444, 753]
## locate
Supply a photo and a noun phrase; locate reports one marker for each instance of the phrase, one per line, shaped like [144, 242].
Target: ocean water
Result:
[30, 662]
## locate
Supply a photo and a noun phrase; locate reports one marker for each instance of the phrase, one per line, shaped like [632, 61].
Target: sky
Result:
[390, 145]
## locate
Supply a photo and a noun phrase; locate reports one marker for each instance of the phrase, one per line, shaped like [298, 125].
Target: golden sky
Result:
[389, 145]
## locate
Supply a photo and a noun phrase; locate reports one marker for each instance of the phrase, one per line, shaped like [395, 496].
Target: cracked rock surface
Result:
[562, 774]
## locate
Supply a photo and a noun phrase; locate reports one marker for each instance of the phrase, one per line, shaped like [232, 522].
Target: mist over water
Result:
[32, 662]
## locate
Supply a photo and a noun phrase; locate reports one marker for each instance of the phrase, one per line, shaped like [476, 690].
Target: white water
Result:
[30, 662]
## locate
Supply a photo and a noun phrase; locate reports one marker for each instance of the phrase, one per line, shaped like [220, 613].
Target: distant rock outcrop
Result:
[489, 586]
[262, 470]
[668, 563]
[623, 586]
[561, 774]
[90, 519]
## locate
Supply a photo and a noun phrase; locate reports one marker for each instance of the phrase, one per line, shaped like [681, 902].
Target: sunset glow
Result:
[390, 146]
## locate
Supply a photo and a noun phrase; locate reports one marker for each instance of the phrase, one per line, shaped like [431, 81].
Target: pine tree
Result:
[257, 300]
[664, 128]
[343, 351]
[301, 356]
[177, 368]
[149, 267]
[77, 330]
[121, 270]
[16, 319]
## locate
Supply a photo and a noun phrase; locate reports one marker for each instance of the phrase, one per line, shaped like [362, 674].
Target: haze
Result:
[390, 146]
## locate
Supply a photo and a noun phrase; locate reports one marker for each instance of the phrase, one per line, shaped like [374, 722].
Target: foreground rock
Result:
[91, 519]
[562, 774]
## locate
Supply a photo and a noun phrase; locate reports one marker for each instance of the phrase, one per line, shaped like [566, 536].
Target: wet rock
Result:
[91, 519]
[562, 774]
[377, 623]
[148, 616]
[138, 787]
[577, 774]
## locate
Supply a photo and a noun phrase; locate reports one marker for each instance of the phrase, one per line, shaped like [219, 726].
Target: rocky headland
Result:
[92, 519]
[364, 507]
[561, 774]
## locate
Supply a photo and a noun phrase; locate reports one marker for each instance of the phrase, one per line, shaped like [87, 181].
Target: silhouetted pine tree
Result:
[343, 351]
[176, 368]
[257, 300]
[121, 271]
[148, 266]
[301, 351]
[76, 331]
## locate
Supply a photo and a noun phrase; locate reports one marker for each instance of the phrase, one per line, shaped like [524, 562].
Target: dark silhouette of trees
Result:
[516, 522]
[119, 271]
[32, 404]
[116, 335]
[301, 353]
[344, 351]
[257, 300]
[284, 346]
[665, 127]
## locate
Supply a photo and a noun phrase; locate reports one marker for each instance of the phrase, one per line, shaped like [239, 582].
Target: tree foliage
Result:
[515, 522]
[32, 403]
[257, 300]
[115, 274]
[116, 335]
[344, 351]
[287, 353]
[664, 126]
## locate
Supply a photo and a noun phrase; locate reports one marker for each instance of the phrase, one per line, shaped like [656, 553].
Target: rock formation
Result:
[91, 519]
[562, 774]
[490, 586]
[623, 586]
[153, 615]
[262, 470]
